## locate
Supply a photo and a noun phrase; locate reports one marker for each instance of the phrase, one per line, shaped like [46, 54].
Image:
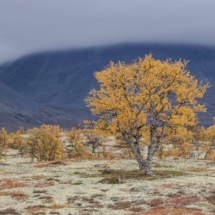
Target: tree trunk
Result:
[149, 159]
[93, 149]
[144, 166]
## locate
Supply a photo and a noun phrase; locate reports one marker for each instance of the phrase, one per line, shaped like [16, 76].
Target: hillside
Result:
[17, 110]
[63, 79]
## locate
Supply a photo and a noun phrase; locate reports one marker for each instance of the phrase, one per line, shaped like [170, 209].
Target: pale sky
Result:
[28, 26]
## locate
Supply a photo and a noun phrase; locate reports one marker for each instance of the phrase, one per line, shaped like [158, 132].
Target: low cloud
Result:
[35, 25]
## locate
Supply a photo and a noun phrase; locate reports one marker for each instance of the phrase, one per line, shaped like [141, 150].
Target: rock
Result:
[139, 189]
[169, 176]
[106, 171]
[121, 179]
[116, 199]
[97, 165]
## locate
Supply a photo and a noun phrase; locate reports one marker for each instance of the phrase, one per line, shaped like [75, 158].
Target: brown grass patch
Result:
[65, 182]
[35, 208]
[15, 194]
[45, 164]
[40, 191]
[58, 206]
[8, 183]
[120, 205]
[211, 199]
[156, 202]
[38, 177]
[173, 211]
[198, 169]
[44, 184]
[170, 185]
[8, 211]
[72, 199]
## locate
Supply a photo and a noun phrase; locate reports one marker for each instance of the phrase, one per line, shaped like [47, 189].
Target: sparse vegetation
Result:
[139, 120]
[44, 144]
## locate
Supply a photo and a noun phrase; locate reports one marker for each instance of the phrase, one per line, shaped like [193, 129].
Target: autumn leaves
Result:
[146, 96]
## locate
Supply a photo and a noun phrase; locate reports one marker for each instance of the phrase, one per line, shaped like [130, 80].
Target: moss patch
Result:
[77, 183]
[157, 165]
[111, 180]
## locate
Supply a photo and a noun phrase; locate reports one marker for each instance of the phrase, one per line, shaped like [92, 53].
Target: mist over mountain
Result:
[58, 81]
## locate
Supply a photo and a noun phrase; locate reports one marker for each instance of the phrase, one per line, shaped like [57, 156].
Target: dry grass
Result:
[35, 208]
[40, 191]
[198, 169]
[15, 194]
[65, 182]
[120, 205]
[46, 199]
[38, 177]
[211, 199]
[8, 183]
[183, 200]
[165, 185]
[156, 202]
[45, 164]
[9, 211]
[173, 211]
[44, 184]
[58, 206]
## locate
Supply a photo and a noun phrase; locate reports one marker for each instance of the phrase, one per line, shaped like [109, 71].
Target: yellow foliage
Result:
[44, 144]
[209, 145]
[212, 155]
[180, 148]
[21, 130]
[163, 152]
[146, 95]
[15, 141]
[3, 137]
[79, 150]
[128, 92]
[3, 142]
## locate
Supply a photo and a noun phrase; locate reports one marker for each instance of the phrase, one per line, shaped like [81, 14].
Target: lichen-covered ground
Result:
[79, 187]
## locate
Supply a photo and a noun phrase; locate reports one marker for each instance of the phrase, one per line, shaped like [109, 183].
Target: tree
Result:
[180, 146]
[147, 94]
[209, 146]
[79, 150]
[44, 143]
[199, 138]
[93, 140]
[3, 141]
[16, 141]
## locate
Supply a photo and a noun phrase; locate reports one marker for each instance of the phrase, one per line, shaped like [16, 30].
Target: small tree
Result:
[44, 144]
[199, 138]
[147, 94]
[180, 146]
[93, 140]
[3, 142]
[16, 141]
[79, 150]
[21, 130]
[209, 146]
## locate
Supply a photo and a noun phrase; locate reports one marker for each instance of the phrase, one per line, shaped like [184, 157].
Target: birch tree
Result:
[147, 94]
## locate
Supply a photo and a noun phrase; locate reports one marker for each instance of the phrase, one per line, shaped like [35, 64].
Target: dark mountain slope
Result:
[63, 78]
[16, 110]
